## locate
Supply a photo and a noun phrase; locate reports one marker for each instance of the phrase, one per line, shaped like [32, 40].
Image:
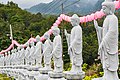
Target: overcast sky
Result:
[26, 3]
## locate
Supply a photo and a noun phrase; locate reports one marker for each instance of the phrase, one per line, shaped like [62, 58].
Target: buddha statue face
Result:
[37, 38]
[32, 44]
[2, 55]
[75, 20]
[27, 44]
[106, 10]
[46, 35]
[56, 31]
[15, 50]
[108, 7]
[18, 48]
[8, 52]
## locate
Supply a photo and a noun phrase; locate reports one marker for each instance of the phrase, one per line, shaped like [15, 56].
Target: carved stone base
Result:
[56, 79]
[44, 71]
[33, 74]
[34, 68]
[99, 78]
[55, 75]
[71, 76]
[42, 77]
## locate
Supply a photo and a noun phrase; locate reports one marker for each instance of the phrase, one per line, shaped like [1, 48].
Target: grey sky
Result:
[26, 3]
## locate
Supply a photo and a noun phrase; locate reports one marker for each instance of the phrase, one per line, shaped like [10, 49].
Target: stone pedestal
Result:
[35, 68]
[31, 78]
[55, 75]
[97, 79]
[33, 74]
[38, 76]
[74, 76]
[20, 77]
[56, 79]
[44, 71]
[42, 77]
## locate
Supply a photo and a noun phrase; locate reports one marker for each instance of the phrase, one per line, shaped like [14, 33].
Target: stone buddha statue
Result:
[27, 53]
[22, 55]
[5, 58]
[8, 58]
[57, 73]
[18, 55]
[74, 41]
[75, 48]
[31, 54]
[1, 60]
[38, 52]
[57, 50]
[14, 57]
[47, 52]
[108, 41]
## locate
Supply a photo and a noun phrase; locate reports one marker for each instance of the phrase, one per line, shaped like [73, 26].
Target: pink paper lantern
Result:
[84, 19]
[52, 27]
[117, 4]
[60, 19]
[99, 15]
[42, 39]
[68, 19]
[92, 16]
[89, 18]
[57, 22]
[81, 19]
[50, 31]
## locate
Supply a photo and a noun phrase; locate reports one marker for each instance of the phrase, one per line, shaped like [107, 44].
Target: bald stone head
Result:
[55, 30]
[18, 48]
[46, 35]
[37, 38]
[32, 44]
[75, 20]
[108, 7]
[27, 44]
[8, 52]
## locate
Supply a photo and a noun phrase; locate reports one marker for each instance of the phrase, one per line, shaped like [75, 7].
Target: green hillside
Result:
[24, 24]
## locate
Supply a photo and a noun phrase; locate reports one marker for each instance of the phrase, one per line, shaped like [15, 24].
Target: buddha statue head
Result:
[32, 44]
[108, 7]
[75, 20]
[55, 30]
[37, 38]
[46, 35]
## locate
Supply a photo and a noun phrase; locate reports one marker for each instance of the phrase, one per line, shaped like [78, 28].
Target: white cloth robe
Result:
[108, 47]
[76, 45]
[38, 53]
[27, 53]
[47, 52]
[68, 43]
[22, 56]
[1, 61]
[57, 52]
[31, 60]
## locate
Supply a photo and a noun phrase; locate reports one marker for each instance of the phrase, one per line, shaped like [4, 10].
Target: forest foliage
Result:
[24, 24]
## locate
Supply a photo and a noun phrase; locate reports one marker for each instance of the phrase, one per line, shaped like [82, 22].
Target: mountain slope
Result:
[82, 7]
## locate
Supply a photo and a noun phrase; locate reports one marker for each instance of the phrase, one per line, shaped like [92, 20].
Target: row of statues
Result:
[108, 49]
[33, 54]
